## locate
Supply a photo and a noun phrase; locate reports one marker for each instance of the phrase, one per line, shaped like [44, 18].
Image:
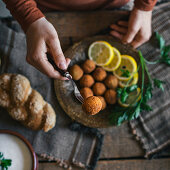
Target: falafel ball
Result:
[111, 81]
[86, 92]
[99, 89]
[92, 105]
[99, 74]
[110, 96]
[86, 81]
[76, 72]
[88, 66]
[103, 102]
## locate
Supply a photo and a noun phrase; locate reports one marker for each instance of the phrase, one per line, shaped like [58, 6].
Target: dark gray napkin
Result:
[152, 128]
[61, 144]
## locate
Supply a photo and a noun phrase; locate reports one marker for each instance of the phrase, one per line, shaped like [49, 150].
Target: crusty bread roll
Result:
[48, 117]
[25, 104]
[4, 90]
[20, 89]
[5, 80]
[4, 98]
[35, 106]
[18, 113]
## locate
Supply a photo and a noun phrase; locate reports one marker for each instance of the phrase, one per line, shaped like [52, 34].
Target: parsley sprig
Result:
[164, 56]
[120, 114]
[4, 163]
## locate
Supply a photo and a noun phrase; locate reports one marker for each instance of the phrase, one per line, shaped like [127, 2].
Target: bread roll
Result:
[4, 98]
[18, 113]
[20, 89]
[25, 104]
[35, 106]
[49, 117]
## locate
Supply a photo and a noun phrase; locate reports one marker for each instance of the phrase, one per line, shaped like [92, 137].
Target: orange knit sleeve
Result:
[145, 5]
[24, 11]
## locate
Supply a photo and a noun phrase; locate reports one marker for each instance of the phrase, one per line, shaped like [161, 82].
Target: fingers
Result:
[39, 42]
[57, 53]
[128, 38]
[39, 60]
[136, 31]
[123, 23]
[119, 29]
[140, 39]
[117, 34]
[68, 61]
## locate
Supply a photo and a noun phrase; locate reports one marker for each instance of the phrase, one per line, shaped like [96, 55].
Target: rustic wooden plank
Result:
[120, 142]
[157, 164]
[83, 24]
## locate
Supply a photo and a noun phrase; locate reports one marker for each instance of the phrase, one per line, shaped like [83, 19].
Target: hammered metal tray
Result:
[64, 90]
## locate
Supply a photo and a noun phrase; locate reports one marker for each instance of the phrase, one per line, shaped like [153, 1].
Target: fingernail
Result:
[63, 66]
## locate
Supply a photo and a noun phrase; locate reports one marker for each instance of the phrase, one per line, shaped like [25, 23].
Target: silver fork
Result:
[66, 74]
[76, 90]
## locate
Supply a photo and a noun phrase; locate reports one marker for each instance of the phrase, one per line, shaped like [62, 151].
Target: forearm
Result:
[24, 11]
[145, 5]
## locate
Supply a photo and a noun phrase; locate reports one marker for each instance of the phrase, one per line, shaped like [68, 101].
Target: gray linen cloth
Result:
[60, 144]
[153, 128]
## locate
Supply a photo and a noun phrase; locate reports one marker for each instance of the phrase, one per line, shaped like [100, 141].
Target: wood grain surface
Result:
[136, 164]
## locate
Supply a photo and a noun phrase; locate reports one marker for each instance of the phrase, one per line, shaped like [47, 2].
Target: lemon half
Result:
[101, 53]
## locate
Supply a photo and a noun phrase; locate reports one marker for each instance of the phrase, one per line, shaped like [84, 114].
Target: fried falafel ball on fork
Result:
[110, 96]
[111, 82]
[92, 105]
[99, 74]
[88, 66]
[86, 92]
[76, 72]
[86, 81]
[99, 89]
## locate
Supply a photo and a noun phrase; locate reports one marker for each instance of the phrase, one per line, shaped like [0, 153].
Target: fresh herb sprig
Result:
[4, 163]
[164, 56]
[119, 114]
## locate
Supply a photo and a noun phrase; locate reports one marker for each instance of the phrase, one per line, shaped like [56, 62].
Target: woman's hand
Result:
[136, 31]
[42, 37]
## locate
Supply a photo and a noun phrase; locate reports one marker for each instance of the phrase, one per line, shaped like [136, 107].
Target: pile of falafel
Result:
[97, 86]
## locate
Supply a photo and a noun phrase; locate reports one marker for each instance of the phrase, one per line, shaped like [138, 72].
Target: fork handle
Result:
[64, 73]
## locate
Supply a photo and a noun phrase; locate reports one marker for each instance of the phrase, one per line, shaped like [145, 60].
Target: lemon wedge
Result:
[134, 80]
[131, 98]
[101, 53]
[129, 65]
[115, 62]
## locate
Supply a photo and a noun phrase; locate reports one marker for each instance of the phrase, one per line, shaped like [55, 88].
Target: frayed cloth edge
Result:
[138, 137]
[62, 163]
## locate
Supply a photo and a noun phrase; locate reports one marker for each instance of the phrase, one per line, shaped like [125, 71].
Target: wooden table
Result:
[120, 150]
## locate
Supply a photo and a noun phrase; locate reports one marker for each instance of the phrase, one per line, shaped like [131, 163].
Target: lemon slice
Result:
[131, 98]
[128, 64]
[115, 62]
[133, 81]
[101, 53]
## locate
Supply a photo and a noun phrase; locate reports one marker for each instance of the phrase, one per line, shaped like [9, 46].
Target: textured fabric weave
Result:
[153, 128]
